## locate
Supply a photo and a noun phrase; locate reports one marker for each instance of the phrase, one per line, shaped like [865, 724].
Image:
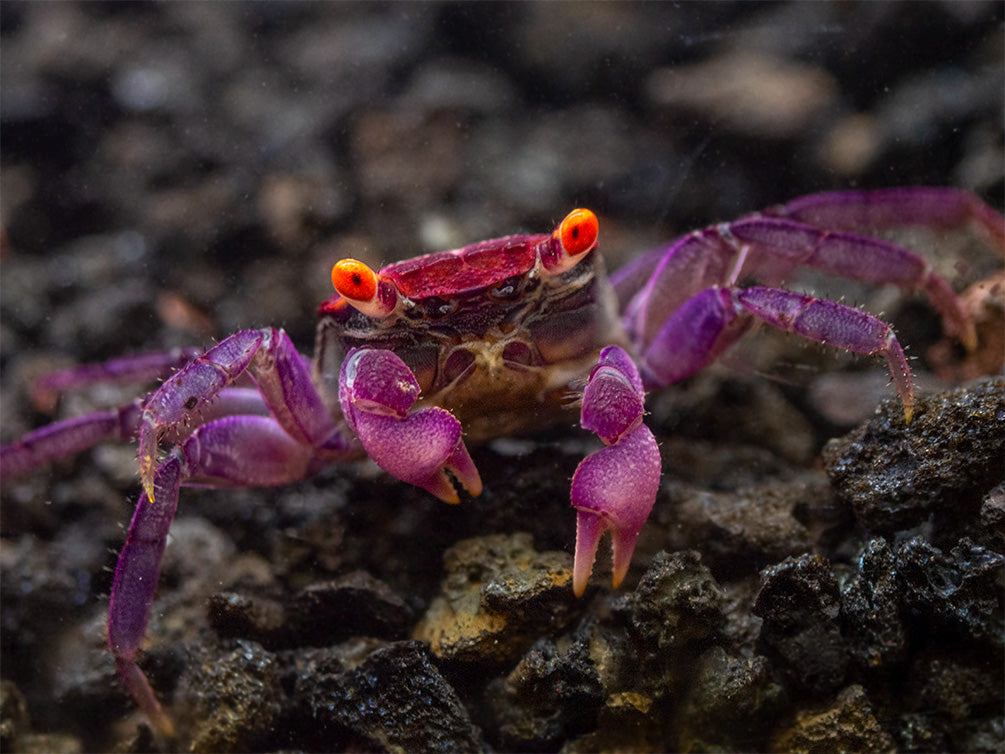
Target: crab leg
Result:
[861, 211]
[850, 256]
[615, 487]
[135, 583]
[283, 381]
[714, 319]
[144, 367]
[236, 450]
[376, 392]
[769, 249]
[62, 439]
[929, 206]
[65, 438]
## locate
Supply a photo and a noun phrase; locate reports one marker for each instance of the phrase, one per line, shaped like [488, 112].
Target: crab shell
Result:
[489, 333]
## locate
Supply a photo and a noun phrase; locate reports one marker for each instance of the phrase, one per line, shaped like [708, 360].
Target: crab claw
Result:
[376, 391]
[615, 487]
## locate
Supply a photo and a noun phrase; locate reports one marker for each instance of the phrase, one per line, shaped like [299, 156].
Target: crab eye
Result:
[572, 240]
[361, 287]
[354, 280]
[578, 232]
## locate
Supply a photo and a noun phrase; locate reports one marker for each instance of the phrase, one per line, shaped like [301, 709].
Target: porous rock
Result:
[731, 705]
[734, 530]
[871, 611]
[393, 700]
[801, 633]
[846, 724]
[234, 698]
[320, 614]
[676, 606]
[896, 475]
[499, 595]
[552, 694]
[959, 593]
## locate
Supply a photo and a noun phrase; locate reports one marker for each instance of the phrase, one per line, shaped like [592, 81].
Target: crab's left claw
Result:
[376, 392]
[615, 487]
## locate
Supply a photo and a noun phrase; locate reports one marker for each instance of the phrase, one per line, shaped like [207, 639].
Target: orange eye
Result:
[578, 231]
[354, 280]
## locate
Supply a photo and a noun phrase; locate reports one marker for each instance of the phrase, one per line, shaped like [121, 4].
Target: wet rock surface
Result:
[897, 475]
[393, 700]
[498, 594]
[174, 172]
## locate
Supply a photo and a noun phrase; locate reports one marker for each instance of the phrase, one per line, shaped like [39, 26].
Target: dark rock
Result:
[871, 611]
[899, 596]
[954, 687]
[353, 605]
[629, 721]
[234, 615]
[846, 724]
[951, 699]
[676, 608]
[916, 731]
[14, 720]
[993, 514]
[323, 613]
[743, 411]
[552, 694]
[960, 593]
[800, 604]
[233, 698]
[394, 700]
[731, 705]
[738, 530]
[897, 475]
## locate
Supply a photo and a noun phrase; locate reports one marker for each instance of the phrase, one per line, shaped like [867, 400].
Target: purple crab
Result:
[491, 339]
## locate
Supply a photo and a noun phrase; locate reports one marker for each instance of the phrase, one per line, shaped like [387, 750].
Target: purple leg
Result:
[283, 380]
[812, 231]
[376, 392]
[769, 249]
[711, 321]
[693, 337]
[784, 245]
[236, 451]
[145, 367]
[835, 325]
[615, 487]
[65, 438]
[135, 582]
[860, 211]
[928, 206]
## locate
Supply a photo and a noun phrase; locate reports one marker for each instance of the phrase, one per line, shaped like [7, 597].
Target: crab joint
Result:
[573, 239]
[363, 288]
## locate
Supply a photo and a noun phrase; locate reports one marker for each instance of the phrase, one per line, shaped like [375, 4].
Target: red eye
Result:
[578, 231]
[354, 280]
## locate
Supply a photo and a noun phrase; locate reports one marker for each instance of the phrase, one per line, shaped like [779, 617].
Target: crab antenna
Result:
[573, 239]
[364, 288]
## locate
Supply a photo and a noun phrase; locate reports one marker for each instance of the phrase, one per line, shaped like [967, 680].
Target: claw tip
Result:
[908, 410]
[163, 723]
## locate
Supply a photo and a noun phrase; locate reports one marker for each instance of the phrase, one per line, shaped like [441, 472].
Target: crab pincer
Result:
[376, 392]
[615, 487]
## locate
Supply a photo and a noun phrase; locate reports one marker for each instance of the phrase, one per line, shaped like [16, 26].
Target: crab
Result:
[418, 358]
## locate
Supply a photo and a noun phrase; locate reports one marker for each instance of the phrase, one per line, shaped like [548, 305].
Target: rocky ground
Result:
[174, 172]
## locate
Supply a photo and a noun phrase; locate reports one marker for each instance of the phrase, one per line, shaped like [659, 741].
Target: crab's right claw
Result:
[376, 391]
[615, 487]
